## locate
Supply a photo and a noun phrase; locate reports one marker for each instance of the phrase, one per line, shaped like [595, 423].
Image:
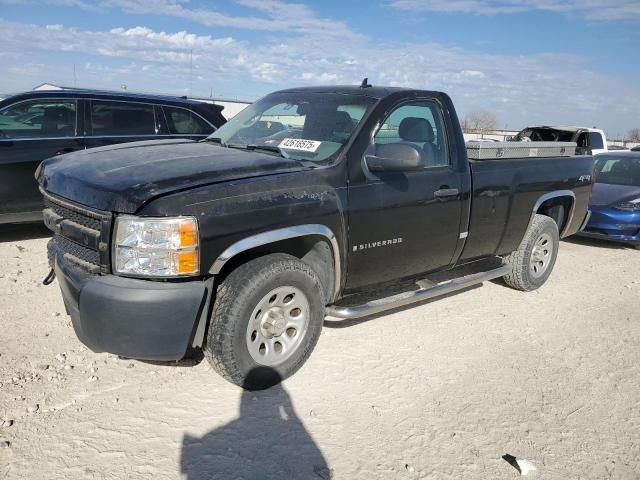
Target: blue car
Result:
[615, 200]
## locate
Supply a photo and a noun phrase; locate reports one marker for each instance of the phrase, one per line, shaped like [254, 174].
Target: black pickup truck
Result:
[312, 202]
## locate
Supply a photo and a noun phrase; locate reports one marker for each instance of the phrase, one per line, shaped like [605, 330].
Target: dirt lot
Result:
[439, 391]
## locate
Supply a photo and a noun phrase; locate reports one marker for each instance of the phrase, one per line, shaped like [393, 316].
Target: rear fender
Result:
[550, 196]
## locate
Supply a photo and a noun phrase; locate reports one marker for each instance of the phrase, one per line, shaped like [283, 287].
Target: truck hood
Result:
[604, 194]
[122, 178]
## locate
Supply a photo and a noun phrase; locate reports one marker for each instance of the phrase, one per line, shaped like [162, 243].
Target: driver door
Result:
[402, 224]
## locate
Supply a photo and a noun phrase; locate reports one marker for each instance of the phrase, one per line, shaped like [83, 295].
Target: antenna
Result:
[365, 83]
[191, 73]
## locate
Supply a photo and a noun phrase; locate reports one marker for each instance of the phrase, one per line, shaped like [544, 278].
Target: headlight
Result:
[156, 247]
[630, 206]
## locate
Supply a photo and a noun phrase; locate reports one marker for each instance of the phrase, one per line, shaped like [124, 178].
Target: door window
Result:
[418, 123]
[122, 118]
[39, 119]
[596, 140]
[185, 122]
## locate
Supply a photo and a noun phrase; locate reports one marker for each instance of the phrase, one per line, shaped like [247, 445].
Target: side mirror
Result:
[395, 157]
[508, 138]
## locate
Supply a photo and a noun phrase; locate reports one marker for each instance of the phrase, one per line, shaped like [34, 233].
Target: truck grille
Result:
[81, 234]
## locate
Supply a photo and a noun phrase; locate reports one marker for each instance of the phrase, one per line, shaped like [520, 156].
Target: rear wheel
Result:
[267, 318]
[536, 256]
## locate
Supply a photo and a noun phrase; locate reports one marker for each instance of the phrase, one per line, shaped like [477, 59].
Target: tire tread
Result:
[236, 287]
[519, 277]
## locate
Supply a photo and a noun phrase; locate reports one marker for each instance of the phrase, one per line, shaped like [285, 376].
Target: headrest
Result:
[415, 129]
[620, 168]
[342, 122]
[55, 113]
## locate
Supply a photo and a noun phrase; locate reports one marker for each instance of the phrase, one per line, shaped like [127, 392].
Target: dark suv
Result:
[40, 124]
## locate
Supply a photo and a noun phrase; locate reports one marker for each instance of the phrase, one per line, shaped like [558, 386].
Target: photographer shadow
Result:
[267, 441]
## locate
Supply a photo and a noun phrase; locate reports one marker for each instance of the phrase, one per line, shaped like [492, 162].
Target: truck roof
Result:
[374, 92]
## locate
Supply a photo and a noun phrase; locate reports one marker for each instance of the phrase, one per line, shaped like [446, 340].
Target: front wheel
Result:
[266, 320]
[535, 258]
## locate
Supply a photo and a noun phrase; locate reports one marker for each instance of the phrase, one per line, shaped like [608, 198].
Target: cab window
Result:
[583, 144]
[596, 140]
[184, 122]
[39, 119]
[122, 118]
[418, 123]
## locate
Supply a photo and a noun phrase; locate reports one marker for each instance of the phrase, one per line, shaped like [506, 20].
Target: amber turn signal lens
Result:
[188, 235]
[188, 262]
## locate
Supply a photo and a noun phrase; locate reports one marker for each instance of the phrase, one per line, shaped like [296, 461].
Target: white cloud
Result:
[73, 3]
[26, 69]
[592, 9]
[519, 89]
[278, 16]
[472, 74]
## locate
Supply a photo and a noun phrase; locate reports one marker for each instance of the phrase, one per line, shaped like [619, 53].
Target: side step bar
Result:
[407, 298]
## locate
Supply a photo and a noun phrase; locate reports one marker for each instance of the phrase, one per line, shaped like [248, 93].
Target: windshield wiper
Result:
[217, 140]
[268, 148]
[252, 147]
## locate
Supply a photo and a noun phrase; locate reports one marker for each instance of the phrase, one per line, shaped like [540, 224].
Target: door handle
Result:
[446, 192]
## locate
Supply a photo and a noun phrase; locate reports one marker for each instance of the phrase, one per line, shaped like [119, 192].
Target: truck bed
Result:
[505, 192]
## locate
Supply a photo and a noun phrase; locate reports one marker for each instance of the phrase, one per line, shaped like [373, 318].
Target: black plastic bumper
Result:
[130, 317]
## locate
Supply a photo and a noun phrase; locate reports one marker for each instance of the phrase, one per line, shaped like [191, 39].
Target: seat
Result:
[419, 131]
[343, 124]
[133, 122]
[619, 169]
[57, 121]
[317, 128]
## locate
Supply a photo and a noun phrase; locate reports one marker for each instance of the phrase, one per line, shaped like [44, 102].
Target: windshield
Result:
[299, 125]
[618, 171]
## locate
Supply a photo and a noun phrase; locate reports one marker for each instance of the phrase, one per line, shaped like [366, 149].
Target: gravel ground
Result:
[439, 391]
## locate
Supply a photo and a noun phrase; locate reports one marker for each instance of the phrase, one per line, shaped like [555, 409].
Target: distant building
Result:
[231, 106]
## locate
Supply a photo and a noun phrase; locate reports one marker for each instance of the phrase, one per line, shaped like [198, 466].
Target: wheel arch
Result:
[315, 244]
[558, 205]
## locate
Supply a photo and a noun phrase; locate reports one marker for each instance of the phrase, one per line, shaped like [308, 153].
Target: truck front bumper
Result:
[130, 317]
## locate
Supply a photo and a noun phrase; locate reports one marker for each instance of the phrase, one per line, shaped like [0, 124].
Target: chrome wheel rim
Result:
[541, 255]
[277, 326]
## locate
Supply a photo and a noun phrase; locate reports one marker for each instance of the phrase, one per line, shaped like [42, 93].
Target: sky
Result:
[527, 61]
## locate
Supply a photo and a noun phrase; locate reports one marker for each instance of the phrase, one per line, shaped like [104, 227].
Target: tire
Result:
[275, 299]
[536, 256]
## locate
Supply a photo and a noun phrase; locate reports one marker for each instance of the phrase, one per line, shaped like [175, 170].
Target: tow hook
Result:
[51, 276]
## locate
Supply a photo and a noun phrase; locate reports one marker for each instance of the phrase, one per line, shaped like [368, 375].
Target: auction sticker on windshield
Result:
[300, 144]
